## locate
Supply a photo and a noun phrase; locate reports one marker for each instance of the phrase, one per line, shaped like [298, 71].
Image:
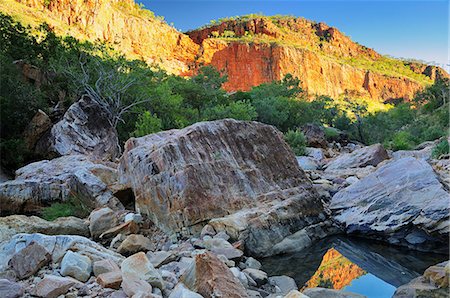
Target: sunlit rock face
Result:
[402, 202]
[325, 60]
[240, 175]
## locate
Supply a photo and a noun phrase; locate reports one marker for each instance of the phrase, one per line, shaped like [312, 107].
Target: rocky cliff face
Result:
[327, 62]
[251, 50]
[124, 24]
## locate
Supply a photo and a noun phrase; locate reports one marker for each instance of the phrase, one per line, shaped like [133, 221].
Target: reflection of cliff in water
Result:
[313, 265]
[335, 272]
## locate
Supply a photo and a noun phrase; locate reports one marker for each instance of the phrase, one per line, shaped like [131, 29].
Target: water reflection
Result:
[352, 264]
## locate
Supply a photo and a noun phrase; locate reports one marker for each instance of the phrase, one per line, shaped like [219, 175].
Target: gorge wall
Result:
[251, 50]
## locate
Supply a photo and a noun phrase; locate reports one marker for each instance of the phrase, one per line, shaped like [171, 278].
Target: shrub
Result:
[147, 124]
[402, 141]
[296, 140]
[441, 148]
[74, 206]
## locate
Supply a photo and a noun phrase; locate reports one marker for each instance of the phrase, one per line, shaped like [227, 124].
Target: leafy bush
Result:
[71, 207]
[147, 124]
[402, 141]
[296, 140]
[440, 149]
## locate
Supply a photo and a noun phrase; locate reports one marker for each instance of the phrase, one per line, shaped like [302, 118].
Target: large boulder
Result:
[402, 202]
[29, 260]
[15, 224]
[57, 246]
[210, 277]
[84, 129]
[366, 156]
[241, 174]
[43, 182]
[315, 135]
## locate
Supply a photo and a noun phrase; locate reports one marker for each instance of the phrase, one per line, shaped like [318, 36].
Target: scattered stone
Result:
[285, 283]
[307, 163]
[138, 266]
[252, 263]
[223, 235]
[29, 260]
[104, 266]
[220, 246]
[211, 278]
[132, 284]
[241, 276]
[370, 155]
[225, 260]
[134, 243]
[259, 276]
[330, 293]
[111, 279]
[180, 291]
[118, 294]
[100, 220]
[315, 153]
[52, 286]
[123, 229]
[137, 218]
[295, 294]
[76, 265]
[159, 258]
[207, 231]
[10, 289]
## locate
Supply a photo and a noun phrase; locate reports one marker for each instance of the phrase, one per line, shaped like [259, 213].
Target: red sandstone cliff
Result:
[263, 49]
[326, 61]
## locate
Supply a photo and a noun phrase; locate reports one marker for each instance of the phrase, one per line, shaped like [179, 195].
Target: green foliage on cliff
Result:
[143, 99]
[296, 139]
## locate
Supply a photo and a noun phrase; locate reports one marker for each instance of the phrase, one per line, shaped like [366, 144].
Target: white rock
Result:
[76, 265]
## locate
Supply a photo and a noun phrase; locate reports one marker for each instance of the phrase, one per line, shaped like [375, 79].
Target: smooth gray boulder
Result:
[180, 291]
[402, 202]
[366, 156]
[43, 182]
[84, 129]
[307, 163]
[76, 265]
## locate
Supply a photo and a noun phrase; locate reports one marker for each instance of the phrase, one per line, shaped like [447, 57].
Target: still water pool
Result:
[365, 267]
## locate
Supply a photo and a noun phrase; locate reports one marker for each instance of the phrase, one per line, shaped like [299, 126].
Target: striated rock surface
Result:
[52, 286]
[366, 156]
[211, 278]
[402, 202]
[39, 124]
[15, 224]
[84, 129]
[241, 174]
[47, 181]
[10, 289]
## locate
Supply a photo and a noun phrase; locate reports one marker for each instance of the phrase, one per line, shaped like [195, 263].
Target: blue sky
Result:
[411, 29]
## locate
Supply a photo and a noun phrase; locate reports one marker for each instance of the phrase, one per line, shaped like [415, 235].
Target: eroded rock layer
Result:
[242, 174]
